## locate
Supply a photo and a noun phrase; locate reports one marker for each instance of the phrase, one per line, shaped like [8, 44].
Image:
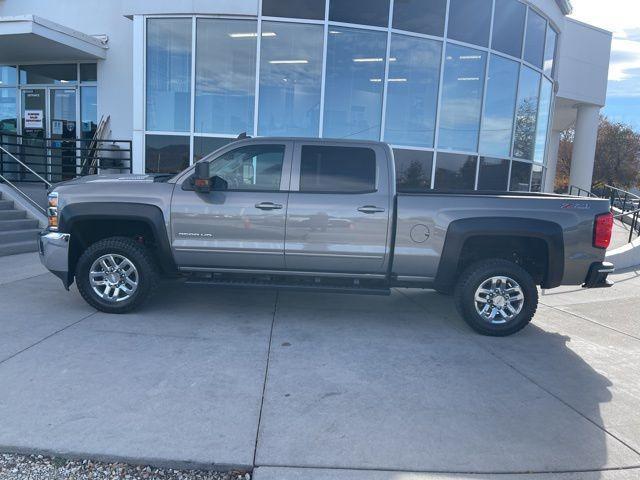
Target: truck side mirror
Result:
[201, 179]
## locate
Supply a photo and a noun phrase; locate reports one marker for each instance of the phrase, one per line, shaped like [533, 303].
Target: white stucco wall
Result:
[95, 17]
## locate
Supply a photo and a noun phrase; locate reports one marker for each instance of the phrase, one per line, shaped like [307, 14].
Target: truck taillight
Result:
[602, 230]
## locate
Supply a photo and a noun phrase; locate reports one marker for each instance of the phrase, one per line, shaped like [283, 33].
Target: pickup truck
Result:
[324, 215]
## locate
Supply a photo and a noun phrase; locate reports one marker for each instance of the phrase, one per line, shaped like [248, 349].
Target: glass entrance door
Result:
[62, 130]
[33, 150]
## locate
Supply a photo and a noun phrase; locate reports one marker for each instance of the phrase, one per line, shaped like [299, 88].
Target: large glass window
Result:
[536, 178]
[455, 172]
[543, 120]
[354, 81]
[8, 110]
[88, 72]
[420, 16]
[365, 12]
[203, 146]
[60, 73]
[461, 98]
[290, 79]
[526, 113]
[493, 174]
[337, 169]
[8, 75]
[534, 44]
[254, 167]
[520, 176]
[225, 75]
[311, 9]
[508, 27]
[166, 153]
[88, 111]
[412, 91]
[550, 50]
[168, 74]
[413, 170]
[497, 121]
[469, 21]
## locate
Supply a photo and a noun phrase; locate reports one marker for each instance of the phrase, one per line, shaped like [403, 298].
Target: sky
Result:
[622, 17]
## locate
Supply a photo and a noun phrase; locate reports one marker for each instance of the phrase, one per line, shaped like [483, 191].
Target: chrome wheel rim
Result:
[114, 278]
[499, 299]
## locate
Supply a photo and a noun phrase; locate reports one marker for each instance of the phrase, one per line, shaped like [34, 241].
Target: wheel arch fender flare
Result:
[459, 231]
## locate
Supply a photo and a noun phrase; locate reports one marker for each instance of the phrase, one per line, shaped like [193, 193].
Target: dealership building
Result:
[471, 94]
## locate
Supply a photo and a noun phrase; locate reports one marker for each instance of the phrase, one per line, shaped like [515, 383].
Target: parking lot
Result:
[333, 387]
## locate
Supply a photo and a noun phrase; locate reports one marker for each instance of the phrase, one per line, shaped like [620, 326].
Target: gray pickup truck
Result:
[321, 215]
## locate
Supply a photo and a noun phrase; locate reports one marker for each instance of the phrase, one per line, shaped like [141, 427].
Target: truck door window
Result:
[337, 169]
[254, 167]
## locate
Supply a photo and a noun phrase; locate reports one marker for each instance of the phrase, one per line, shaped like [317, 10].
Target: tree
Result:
[617, 160]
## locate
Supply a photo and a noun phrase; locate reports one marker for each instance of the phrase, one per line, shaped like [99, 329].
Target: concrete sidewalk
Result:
[304, 385]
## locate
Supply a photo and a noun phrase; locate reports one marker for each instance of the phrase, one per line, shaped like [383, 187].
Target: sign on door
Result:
[33, 119]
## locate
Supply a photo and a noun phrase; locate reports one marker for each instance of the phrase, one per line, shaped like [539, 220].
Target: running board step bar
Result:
[280, 284]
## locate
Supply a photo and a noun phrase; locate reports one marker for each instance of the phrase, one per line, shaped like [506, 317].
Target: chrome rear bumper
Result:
[54, 254]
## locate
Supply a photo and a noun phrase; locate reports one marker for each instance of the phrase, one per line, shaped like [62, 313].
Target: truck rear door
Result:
[339, 209]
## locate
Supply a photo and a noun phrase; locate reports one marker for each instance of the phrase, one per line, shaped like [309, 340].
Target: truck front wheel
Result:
[116, 274]
[496, 297]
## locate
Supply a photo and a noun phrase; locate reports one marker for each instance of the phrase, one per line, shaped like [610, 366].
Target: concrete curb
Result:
[626, 256]
[32, 212]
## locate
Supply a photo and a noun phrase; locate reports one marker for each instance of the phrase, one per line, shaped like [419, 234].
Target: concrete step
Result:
[12, 236]
[12, 214]
[19, 224]
[6, 204]
[18, 247]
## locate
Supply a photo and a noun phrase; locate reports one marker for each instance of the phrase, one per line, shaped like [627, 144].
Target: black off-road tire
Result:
[473, 277]
[137, 254]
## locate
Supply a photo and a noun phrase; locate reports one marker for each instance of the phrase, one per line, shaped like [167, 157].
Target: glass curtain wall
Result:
[461, 89]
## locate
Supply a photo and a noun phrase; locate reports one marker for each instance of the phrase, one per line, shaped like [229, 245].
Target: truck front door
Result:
[242, 225]
[339, 208]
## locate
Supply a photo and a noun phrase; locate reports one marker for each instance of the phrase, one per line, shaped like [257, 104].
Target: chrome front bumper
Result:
[54, 254]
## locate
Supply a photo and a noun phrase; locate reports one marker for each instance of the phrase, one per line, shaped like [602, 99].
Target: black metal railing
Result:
[58, 159]
[625, 205]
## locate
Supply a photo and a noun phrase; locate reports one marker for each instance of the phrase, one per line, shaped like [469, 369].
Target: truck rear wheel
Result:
[115, 275]
[496, 297]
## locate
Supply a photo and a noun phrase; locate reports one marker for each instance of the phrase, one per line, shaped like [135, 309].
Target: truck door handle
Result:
[268, 206]
[370, 209]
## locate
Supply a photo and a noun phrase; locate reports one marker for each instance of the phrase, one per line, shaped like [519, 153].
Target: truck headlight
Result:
[52, 211]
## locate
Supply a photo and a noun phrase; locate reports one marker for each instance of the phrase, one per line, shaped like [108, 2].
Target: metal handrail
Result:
[46, 182]
[27, 197]
[635, 224]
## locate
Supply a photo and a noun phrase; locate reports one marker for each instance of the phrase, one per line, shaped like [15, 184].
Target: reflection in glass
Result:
[250, 168]
[497, 121]
[290, 79]
[493, 174]
[88, 72]
[520, 176]
[469, 21]
[550, 50]
[324, 169]
[508, 27]
[168, 74]
[534, 46]
[88, 111]
[526, 113]
[166, 153]
[8, 110]
[420, 16]
[58, 73]
[364, 12]
[203, 146]
[536, 178]
[413, 170]
[461, 98]
[412, 91]
[543, 121]
[311, 9]
[225, 75]
[8, 75]
[455, 172]
[354, 81]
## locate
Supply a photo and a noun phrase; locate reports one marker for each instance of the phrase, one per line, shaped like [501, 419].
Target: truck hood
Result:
[116, 178]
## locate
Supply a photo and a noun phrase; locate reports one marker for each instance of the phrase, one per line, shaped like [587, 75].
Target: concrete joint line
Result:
[266, 375]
